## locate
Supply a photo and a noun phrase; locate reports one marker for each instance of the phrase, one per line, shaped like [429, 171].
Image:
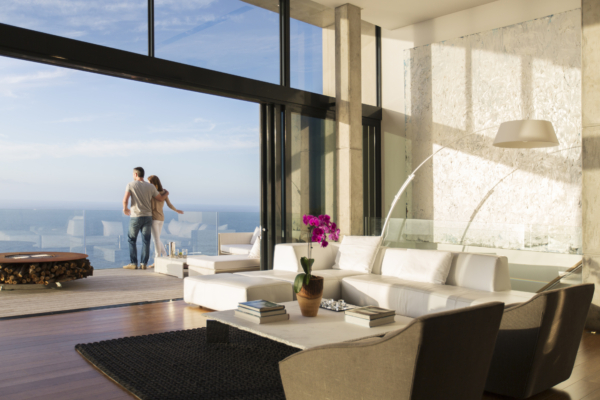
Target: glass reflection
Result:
[313, 175]
[121, 24]
[312, 47]
[229, 36]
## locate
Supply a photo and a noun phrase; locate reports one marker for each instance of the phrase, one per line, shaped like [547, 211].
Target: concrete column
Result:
[590, 85]
[349, 119]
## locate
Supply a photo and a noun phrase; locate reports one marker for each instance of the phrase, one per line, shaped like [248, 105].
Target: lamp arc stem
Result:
[412, 176]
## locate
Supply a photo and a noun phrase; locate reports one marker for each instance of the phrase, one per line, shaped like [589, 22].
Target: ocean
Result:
[102, 234]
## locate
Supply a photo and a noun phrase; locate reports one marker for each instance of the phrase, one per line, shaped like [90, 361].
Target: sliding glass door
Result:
[312, 175]
[299, 173]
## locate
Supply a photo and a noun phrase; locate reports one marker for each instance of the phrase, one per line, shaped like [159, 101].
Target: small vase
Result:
[309, 297]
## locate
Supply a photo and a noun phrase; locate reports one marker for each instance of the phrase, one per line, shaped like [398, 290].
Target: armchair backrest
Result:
[538, 341]
[444, 355]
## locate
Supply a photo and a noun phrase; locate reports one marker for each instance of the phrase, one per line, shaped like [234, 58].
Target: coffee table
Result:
[301, 332]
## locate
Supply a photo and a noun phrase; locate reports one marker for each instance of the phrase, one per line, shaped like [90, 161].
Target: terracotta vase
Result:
[309, 297]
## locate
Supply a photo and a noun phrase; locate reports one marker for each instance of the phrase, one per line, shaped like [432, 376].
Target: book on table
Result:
[262, 320]
[261, 311]
[370, 313]
[369, 323]
[261, 306]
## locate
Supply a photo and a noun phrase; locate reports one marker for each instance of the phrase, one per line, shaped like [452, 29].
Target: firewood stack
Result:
[45, 272]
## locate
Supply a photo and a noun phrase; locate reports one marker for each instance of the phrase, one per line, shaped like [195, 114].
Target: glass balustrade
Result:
[102, 234]
[537, 254]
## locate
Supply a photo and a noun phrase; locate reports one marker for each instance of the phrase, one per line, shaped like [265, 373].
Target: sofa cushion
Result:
[285, 276]
[255, 250]
[287, 256]
[222, 263]
[480, 272]
[414, 299]
[255, 235]
[226, 291]
[239, 249]
[430, 266]
[357, 253]
[332, 279]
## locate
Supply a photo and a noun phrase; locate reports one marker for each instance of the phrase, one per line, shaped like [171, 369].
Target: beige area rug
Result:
[107, 287]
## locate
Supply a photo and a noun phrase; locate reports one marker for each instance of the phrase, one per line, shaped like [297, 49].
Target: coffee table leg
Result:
[216, 332]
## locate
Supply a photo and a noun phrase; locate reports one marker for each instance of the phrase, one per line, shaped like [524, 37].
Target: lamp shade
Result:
[526, 134]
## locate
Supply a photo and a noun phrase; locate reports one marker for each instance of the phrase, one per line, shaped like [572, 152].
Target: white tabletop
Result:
[306, 332]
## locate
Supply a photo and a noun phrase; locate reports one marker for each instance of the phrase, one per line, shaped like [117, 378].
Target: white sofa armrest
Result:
[287, 256]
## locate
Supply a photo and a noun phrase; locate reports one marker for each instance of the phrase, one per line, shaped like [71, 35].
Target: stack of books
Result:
[369, 316]
[261, 312]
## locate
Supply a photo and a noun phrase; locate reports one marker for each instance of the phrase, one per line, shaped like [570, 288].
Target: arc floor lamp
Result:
[520, 134]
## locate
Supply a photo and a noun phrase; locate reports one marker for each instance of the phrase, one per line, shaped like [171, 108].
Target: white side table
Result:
[170, 266]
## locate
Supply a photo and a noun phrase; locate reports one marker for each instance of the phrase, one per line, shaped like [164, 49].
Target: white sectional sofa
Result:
[473, 279]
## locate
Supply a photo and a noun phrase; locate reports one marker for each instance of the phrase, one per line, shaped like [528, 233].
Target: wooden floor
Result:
[38, 359]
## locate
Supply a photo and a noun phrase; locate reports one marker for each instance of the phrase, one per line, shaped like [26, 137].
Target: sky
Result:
[69, 136]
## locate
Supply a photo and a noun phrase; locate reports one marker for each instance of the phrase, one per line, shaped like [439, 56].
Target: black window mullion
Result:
[284, 42]
[378, 65]
[264, 198]
[151, 28]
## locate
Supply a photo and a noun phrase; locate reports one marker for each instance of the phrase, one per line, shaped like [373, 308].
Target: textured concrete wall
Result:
[530, 70]
[591, 152]
[348, 113]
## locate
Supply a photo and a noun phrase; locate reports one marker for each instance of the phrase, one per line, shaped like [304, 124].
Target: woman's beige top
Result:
[157, 208]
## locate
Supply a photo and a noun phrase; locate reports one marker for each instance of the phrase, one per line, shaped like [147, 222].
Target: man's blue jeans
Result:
[137, 224]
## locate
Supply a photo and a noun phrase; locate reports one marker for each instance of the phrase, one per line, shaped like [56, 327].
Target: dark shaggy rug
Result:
[181, 365]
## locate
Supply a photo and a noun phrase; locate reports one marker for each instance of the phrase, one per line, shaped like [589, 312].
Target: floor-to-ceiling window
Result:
[70, 140]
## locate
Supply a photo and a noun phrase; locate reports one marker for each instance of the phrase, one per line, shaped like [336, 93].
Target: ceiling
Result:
[394, 14]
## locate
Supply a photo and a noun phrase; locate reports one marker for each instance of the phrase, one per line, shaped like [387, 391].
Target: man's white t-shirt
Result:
[141, 198]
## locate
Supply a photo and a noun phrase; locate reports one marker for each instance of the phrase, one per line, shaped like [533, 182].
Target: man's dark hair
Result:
[139, 171]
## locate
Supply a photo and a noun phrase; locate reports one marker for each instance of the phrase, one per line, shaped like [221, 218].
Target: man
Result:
[141, 194]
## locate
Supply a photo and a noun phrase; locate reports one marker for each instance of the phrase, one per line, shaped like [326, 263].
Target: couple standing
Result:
[147, 202]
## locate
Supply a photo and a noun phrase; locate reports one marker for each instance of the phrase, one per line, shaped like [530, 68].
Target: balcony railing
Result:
[102, 234]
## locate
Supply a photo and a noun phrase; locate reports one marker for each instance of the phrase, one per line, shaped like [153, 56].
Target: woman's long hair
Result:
[153, 179]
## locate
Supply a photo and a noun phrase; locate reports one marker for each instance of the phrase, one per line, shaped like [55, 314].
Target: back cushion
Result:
[479, 272]
[430, 266]
[357, 253]
[255, 235]
[287, 256]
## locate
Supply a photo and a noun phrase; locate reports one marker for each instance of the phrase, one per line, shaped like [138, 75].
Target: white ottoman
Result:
[224, 291]
[209, 265]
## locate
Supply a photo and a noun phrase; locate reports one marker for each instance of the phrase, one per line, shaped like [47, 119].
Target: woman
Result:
[158, 218]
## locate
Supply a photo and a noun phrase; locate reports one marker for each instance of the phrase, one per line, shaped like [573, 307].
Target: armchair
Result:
[538, 342]
[437, 356]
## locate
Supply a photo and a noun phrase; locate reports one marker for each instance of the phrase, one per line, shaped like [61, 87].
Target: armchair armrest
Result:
[309, 372]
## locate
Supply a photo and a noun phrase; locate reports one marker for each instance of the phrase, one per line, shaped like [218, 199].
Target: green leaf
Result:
[307, 264]
[298, 282]
[307, 279]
